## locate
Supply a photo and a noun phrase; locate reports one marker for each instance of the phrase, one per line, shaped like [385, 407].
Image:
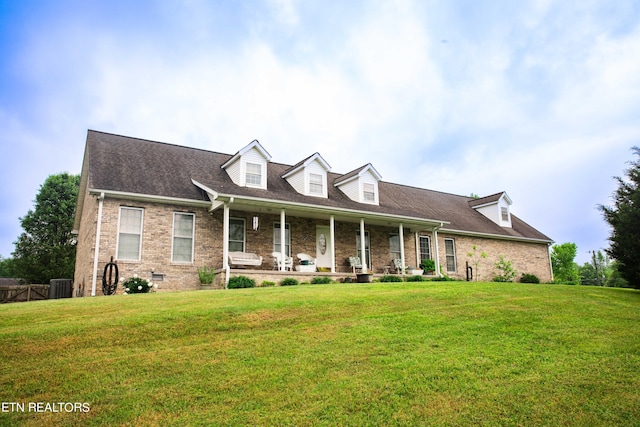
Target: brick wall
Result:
[157, 243]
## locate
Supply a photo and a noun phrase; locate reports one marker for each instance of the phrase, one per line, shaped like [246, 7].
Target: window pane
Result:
[451, 254]
[183, 238]
[394, 246]
[129, 246]
[254, 174]
[425, 248]
[129, 237]
[315, 183]
[287, 238]
[369, 192]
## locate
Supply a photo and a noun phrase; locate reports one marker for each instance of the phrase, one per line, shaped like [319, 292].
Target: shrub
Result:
[414, 279]
[390, 278]
[428, 265]
[444, 278]
[324, 280]
[529, 278]
[136, 285]
[268, 283]
[289, 281]
[206, 275]
[506, 269]
[239, 282]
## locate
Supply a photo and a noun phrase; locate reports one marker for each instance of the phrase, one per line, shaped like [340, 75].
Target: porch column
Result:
[332, 238]
[401, 233]
[225, 243]
[282, 241]
[363, 247]
[436, 253]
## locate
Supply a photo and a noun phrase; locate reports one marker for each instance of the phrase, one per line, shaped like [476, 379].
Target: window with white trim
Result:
[287, 238]
[316, 184]
[183, 229]
[368, 192]
[130, 233]
[450, 251]
[425, 247]
[253, 174]
[236, 234]
[367, 247]
[505, 214]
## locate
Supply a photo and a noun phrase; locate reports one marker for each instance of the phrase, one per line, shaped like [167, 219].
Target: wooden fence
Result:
[21, 293]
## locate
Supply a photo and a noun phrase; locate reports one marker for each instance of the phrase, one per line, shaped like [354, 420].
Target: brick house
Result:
[162, 210]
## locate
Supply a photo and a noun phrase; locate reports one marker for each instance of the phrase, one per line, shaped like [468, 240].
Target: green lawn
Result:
[445, 353]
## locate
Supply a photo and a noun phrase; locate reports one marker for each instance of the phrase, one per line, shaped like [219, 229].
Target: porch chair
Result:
[277, 261]
[355, 264]
[397, 265]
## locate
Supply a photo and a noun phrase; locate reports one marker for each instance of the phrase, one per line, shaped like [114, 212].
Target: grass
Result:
[340, 354]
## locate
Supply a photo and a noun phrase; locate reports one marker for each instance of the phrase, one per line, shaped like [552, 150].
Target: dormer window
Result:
[495, 207]
[360, 185]
[254, 175]
[309, 177]
[505, 214]
[316, 184]
[368, 192]
[248, 167]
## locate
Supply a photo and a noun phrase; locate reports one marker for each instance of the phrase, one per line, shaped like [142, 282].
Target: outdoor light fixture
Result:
[255, 223]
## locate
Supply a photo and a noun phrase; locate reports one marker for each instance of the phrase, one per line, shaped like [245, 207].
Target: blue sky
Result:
[540, 99]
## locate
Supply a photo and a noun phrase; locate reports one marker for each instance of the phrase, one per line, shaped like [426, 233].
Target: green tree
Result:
[476, 257]
[624, 219]
[562, 262]
[47, 249]
[6, 267]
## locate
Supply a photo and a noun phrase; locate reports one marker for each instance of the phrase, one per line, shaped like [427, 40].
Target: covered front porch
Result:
[331, 236]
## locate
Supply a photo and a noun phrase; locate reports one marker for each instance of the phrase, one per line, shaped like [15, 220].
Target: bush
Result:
[239, 282]
[444, 278]
[268, 283]
[529, 278]
[289, 281]
[136, 285]
[390, 278]
[506, 268]
[428, 265]
[324, 280]
[206, 275]
[414, 279]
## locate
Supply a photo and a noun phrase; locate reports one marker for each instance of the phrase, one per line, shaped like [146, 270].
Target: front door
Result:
[323, 246]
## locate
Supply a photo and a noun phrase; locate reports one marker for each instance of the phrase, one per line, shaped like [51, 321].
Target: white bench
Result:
[244, 258]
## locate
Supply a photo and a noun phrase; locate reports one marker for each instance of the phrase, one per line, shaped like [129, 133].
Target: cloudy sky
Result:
[540, 99]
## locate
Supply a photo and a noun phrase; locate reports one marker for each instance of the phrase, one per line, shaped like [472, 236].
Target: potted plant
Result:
[206, 276]
[428, 265]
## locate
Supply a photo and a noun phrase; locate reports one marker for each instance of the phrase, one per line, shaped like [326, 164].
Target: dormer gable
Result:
[309, 177]
[248, 167]
[496, 207]
[361, 185]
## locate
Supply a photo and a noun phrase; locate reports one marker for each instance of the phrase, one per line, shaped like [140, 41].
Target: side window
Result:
[236, 235]
[450, 248]
[183, 228]
[130, 233]
[369, 192]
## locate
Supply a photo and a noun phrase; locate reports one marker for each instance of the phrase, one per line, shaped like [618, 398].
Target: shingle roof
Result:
[132, 165]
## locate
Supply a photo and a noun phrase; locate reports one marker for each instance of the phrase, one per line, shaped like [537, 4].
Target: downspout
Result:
[437, 252]
[550, 265]
[96, 251]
